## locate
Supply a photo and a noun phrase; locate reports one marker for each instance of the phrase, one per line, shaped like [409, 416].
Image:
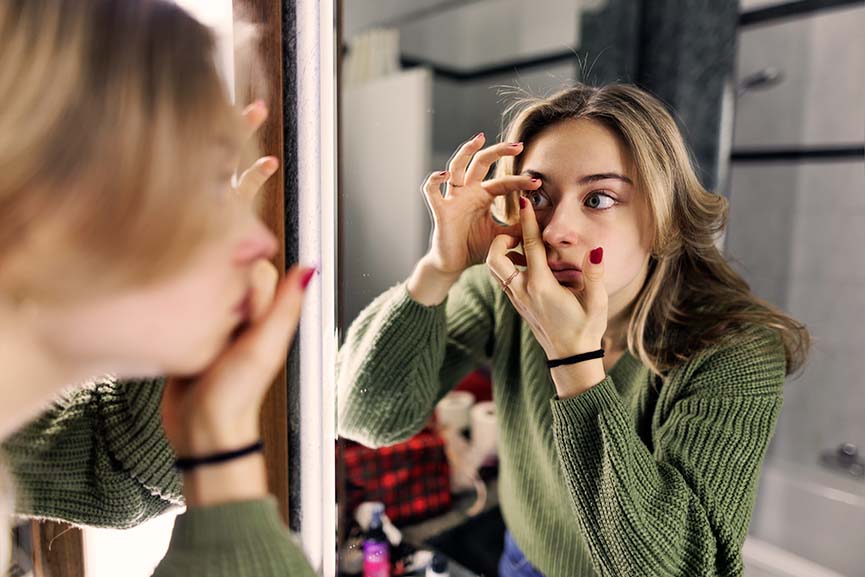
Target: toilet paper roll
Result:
[484, 433]
[453, 410]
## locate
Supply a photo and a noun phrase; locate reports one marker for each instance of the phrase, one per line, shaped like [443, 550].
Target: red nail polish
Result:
[597, 255]
[522, 202]
[307, 278]
[516, 144]
[442, 173]
[536, 180]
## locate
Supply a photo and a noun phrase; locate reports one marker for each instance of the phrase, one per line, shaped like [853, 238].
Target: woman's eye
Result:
[537, 199]
[600, 201]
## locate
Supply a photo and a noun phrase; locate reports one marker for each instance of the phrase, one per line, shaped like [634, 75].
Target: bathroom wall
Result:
[466, 43]
[797, 222]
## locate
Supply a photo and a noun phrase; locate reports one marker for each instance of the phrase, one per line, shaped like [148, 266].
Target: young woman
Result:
[636, 378]
[124, 250]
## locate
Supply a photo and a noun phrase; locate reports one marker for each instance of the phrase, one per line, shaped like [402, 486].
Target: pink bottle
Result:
[376, 548]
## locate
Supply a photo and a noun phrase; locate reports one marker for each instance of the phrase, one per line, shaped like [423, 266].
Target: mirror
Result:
[770, 100]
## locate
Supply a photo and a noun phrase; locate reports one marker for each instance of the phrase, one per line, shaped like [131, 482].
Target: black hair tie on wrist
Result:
[575, 359]
[188, 463]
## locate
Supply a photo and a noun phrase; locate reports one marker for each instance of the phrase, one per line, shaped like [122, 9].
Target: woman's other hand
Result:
[219, 410]
[563, 323]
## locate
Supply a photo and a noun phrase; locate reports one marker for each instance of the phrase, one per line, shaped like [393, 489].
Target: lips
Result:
[566, 272]
[560, 265]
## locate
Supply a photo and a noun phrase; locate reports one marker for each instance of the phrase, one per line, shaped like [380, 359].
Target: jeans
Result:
[513, 563]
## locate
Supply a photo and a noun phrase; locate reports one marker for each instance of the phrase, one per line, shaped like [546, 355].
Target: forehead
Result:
[578, 147]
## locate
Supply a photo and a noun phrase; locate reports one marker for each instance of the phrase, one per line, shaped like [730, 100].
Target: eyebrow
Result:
[587, 179]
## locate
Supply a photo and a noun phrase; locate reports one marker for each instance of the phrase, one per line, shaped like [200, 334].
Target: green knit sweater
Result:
[99, 457]
[635, 477]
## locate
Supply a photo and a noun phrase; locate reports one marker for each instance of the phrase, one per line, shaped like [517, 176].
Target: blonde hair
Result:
[691, 298]
[113, 120]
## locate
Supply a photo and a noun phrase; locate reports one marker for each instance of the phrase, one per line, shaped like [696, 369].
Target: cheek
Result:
[624, 257]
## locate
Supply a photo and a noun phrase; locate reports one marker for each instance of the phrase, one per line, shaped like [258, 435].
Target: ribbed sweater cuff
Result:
[228, 524]
[407, 300]
[133, 427]
[575, 411]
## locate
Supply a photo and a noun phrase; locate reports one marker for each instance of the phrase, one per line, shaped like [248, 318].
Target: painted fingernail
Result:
[307, 277]
[522, 202]
[597, 255]
[478, 135]
[536, 180]
[443, 173]
[515, 144]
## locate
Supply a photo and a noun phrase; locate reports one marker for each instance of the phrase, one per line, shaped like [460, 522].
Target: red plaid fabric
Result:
[412, 479]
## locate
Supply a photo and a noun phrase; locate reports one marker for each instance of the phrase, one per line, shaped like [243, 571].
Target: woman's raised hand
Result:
[463, 226]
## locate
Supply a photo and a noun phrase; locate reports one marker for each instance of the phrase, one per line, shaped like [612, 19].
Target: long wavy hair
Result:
[692, 298]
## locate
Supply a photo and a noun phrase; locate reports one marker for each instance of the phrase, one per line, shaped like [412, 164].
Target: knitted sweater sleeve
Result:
[401, 357]
[244, 539]
[683, 506]
[97, 456]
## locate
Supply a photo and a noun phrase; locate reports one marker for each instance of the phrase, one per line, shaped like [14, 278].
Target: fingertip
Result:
[270, 164]
[306, 277]
[527, 211]
[256, 109]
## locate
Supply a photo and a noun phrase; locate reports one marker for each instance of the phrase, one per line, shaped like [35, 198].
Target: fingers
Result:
[483, 160]
[460, 160]
[432, 187]
[498, 262]
[269, 338]
[253, 116]
[511, 183]
[255, 176]
[594, 296]
[264, 278]
[533, 244]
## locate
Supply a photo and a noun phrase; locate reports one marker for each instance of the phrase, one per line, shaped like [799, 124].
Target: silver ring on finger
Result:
[509, 280]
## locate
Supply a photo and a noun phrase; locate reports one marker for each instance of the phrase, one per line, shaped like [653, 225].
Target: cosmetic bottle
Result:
[376, 548]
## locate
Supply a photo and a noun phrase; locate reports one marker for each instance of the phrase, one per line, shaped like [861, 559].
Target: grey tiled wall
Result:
[797, 232]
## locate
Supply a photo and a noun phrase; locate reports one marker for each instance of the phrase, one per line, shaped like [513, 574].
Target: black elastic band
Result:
[187, 463]
[576, 359]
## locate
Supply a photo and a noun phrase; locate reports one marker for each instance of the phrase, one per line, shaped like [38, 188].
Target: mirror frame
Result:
[309, 88]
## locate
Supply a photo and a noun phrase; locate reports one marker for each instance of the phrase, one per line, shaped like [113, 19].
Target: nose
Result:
[561, 230]
[257, 243]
